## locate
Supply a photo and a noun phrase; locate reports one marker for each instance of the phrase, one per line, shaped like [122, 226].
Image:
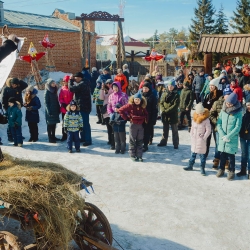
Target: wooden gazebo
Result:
[234, 44]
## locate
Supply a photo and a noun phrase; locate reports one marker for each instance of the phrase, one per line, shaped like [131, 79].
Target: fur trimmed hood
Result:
[201, 118]
[143, 103]
[8, 84]
[49, 88]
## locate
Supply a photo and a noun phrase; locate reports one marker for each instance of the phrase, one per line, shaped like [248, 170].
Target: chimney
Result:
[1, 12]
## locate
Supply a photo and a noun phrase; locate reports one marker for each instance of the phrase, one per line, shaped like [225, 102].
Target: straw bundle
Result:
[45, 188]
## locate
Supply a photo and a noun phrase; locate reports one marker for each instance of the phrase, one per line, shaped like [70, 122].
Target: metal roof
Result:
[229, 43]
[18, 19]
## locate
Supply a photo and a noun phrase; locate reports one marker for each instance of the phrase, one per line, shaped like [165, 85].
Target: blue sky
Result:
[142, 17]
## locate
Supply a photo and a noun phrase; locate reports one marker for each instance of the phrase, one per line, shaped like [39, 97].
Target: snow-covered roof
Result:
[180, 47]
[19, 19]
[108, 40]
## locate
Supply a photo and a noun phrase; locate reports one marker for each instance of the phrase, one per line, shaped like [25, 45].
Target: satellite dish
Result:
[237, 59]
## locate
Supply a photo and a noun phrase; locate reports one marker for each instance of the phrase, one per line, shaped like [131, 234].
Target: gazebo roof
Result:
[228, 43]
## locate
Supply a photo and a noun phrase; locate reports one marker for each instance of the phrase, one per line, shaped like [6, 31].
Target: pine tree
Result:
[241, 19]
[203, 22]
[221, 23]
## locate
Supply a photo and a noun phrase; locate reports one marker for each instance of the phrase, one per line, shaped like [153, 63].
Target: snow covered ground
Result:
[154, 205]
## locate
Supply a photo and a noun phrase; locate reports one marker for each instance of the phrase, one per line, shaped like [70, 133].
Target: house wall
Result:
[66, 53]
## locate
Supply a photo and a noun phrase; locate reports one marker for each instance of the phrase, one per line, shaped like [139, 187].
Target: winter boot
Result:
[248, 176]
[189, 129]
[227, 165]
[216, 163]
[162, 143]
[230, 175]
[181, 127]
[203, 171]
[242, 172]
[145, 148]
[220, 173]
[189, 167]
[133, 158]
[140, 159]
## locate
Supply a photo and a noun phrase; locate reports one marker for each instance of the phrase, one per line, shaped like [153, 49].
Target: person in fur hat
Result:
[52, 109]
[32, 104]
[135, 111]
[228, 126]
[65, 97]
[199, 133]
[73, 124]
[14, 115]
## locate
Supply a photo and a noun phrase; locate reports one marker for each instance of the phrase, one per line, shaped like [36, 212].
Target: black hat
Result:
[238, 71]
[107, 69]
[147, 84]
[78, 74]
[14, 81]
[73, 103]
[12, 100]
[85, 68]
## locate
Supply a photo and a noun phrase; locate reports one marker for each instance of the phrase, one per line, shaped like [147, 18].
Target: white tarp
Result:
[7, 63]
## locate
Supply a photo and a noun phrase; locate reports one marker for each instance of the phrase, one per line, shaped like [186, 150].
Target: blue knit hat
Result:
[227, 90]
[73, 103]
[138, 95]
[172, 82]
[232, 98]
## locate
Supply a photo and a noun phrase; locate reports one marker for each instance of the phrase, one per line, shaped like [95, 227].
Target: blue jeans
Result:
[73, 137]
[202, 158]
[223, 157]
[17, 135]
[86, 133]
[245, 153]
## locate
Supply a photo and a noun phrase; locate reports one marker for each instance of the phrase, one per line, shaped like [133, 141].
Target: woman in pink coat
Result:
[65, 97]
[200, 131]
[105, 92]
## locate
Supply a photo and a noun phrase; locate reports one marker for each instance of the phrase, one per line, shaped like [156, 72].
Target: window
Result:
[105, 55]
[97, 55]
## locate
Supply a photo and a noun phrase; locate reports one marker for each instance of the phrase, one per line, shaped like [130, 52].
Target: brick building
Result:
[62, 30]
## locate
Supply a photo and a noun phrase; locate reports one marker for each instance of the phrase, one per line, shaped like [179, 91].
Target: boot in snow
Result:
[230, 175]
[162, 143]
[189, 167]
[189, 129]
[216, 163]
[220, 173]
[242, 172]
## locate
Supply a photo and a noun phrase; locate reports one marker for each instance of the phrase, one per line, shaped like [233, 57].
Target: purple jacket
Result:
[114, 98]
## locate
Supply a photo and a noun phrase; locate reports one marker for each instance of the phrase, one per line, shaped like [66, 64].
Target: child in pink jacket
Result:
[65, 97]
[199, 133]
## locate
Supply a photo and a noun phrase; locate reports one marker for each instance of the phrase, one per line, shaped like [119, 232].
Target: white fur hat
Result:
[199, 109]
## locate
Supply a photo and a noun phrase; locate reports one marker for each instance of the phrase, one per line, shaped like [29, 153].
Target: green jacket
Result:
[229, 125]
[169, 106]
[186, 99]
[14, 115]
[215, 111]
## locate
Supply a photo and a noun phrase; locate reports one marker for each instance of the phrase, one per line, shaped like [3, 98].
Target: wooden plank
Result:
[210, 44]
[201, 45]
[237, 45]
[227, 45]
[219, 45]
[223, 45]
[242, 44]
[246, 47]
[216, 39]
[232, 45]
[206, 44]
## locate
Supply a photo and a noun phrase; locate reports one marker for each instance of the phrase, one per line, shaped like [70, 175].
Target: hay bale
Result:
[45, 188]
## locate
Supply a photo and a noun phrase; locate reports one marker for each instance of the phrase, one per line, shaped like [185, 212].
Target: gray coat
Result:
[198, 83]
[52, 107]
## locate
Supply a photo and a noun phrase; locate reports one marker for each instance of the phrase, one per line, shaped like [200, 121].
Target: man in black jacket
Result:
[81, 87]
[242, 80]
[198, 85]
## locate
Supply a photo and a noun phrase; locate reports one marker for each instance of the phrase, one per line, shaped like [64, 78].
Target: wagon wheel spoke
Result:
[90, 217]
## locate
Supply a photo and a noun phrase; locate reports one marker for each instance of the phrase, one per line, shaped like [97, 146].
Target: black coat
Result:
[152, 106]
[210, 99]
[242, 80]
[7, 47]
[94, 77]
[13, 92]
[82, 94]
[245, 126]
[33, 114]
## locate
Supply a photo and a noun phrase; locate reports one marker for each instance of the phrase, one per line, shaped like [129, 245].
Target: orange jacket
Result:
[123, 80]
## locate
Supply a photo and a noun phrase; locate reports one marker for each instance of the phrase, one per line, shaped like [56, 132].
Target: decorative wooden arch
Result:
[235, 44]
[104, 16]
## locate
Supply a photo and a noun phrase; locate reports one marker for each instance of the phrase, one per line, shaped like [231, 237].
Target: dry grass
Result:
[47, 189]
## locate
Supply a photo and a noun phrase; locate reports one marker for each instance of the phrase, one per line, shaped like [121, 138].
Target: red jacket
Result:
[65, 97]
[136, 114]
[237, 90]
[123, 80]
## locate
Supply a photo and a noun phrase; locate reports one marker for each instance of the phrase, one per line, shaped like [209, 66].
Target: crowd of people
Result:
[221, 110]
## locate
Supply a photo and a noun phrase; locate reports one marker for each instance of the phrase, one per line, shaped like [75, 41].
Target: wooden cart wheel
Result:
[96, 226]
[9, 241]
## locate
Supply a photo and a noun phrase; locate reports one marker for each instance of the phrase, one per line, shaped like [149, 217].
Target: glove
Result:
[225, 139]
[29, 108]
[80, 129]
[16, 125]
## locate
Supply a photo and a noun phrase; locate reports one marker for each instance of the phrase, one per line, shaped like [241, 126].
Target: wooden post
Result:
[208, 63]
[83, 51]
[132, 55]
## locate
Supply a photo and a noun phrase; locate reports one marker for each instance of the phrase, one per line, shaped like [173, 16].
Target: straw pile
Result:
[47, 189]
